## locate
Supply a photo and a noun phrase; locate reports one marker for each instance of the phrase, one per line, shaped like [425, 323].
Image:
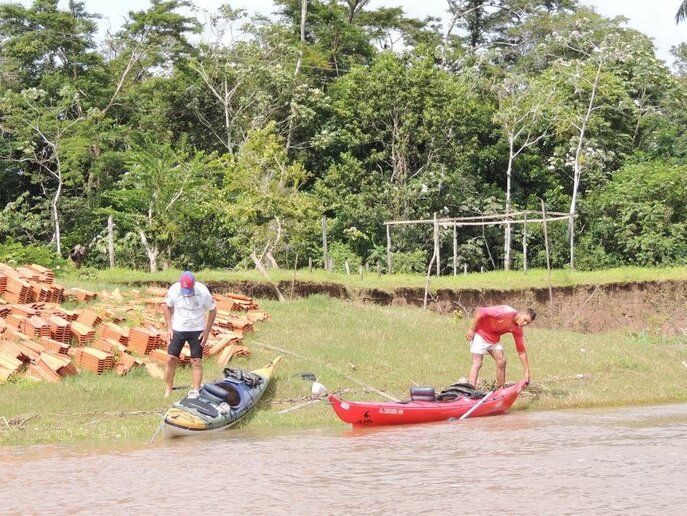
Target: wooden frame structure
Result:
[520, 217]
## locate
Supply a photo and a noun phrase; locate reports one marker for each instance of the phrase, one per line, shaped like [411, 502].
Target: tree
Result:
[588, 49]
[264, 211]
[243, 84]
[639, 218]
[522, 116]
[40, 129]
[402, 139]
[681, 14]
[489, 22]
[43, 46]
[162, 182]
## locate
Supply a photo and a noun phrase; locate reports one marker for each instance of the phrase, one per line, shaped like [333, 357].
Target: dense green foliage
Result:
[220, 143]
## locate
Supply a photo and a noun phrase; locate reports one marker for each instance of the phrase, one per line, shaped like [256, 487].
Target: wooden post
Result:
[455, 249]
[524, 244]
[379, 269]
[110, 241]
[436, 243]
[388, 249]
[310, 264]
[548, 259]
[360, 271]
[325, 253]
[347, 267]
[465, 269]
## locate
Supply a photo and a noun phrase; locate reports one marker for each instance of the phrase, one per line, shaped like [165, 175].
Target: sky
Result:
[655, 18]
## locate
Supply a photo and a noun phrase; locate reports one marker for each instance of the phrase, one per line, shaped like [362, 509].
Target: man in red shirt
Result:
[484, 335]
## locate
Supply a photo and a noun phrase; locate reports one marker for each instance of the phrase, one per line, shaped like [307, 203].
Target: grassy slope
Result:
[510, 280]
[382, 347]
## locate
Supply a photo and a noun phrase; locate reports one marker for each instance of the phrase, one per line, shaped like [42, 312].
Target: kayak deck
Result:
[360, 413]
[220, 405]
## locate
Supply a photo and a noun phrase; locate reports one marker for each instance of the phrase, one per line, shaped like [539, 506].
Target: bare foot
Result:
[167, 393]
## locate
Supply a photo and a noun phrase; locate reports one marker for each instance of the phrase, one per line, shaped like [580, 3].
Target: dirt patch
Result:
[656, 307]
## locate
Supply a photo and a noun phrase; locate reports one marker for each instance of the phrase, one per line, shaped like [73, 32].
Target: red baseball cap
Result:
[187, 282]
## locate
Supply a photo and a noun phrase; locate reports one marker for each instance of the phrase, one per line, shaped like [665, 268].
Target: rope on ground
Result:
[157, 431]
[291, 409]
[350, 379]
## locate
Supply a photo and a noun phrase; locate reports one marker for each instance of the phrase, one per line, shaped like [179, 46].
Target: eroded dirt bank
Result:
[656, 307]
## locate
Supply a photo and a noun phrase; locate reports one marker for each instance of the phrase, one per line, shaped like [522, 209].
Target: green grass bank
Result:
[352, 347]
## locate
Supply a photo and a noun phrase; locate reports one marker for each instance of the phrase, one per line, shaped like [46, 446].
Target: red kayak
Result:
[362, 413]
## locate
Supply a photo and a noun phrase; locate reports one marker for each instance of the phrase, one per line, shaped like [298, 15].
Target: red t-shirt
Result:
[494, 321]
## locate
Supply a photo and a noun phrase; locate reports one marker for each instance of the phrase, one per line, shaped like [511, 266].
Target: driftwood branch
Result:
[261, 268]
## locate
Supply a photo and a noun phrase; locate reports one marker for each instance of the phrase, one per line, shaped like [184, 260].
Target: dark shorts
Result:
[179, 338]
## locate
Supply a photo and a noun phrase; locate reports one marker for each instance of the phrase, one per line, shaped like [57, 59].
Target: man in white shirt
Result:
[185, 307]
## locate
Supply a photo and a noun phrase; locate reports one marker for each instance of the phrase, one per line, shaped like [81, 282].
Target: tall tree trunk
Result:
[292, 115]
[577, 176]
[151, 250]
[507, 231]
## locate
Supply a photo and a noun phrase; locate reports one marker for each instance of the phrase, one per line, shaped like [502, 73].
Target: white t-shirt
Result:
[189, 311]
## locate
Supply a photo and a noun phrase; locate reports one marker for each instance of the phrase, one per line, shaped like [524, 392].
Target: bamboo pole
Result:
[524, 245]
[325, 252]
[548, 259]
[110, 241]
[455, 249]
[436, 244]
[388, 249]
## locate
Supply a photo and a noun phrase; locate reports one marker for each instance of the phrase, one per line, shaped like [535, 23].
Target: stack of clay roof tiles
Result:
[257, 315]
[88, 317]
[31, 283]
[60, 329]
[46, 341]
[143, 340]
[68, 315]
[83, 333]
[17, 290]
[224, 303]
[233, 322]
[51, 367]
[242, 302]
[158, 355]
[84, 295]
[36, 327]
[126, 363]
[110, 330]
[109, 345]
[93, 359]
[54, 345]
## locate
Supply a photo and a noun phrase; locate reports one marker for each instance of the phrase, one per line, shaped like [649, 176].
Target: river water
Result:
[620, 461]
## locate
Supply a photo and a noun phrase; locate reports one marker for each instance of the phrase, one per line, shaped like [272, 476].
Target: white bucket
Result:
[318, 389]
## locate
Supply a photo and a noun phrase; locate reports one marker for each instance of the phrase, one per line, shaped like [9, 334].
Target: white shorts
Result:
[479, 346]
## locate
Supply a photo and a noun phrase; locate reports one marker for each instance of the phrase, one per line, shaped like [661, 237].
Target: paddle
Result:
[476, 405]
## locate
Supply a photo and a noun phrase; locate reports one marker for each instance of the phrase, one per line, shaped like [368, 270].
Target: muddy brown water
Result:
[621, 461]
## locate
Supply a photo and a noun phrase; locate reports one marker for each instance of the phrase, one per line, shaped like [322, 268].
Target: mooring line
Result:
[350, 379]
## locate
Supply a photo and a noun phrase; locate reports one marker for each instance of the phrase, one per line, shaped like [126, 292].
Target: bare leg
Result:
[196, 373]
[474, 370]
[170, 369]
[500, 359]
